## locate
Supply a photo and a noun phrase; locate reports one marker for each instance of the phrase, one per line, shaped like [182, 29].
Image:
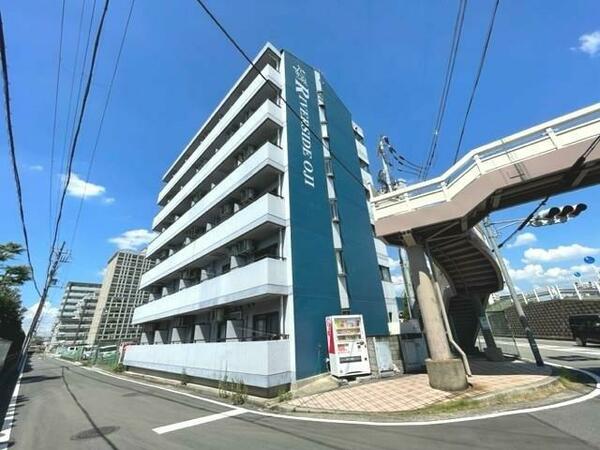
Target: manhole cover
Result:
[94, 432]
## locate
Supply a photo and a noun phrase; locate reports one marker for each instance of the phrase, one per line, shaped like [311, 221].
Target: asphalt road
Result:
[61, 406]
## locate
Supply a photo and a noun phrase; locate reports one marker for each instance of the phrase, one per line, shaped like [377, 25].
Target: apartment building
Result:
[72, 323]
[118, 298]
[263, 232]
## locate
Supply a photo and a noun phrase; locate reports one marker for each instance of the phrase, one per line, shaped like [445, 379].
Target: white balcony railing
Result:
[268, 208]
[273, 76]
[268, 154]
[258, 363]
[362, 152]
[267, 276]
[535, 141]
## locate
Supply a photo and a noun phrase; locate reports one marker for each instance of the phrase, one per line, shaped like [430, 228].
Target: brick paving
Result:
[409, 392]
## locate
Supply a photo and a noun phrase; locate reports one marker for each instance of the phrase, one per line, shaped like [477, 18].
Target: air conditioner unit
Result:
[247, 195]
[234, 315]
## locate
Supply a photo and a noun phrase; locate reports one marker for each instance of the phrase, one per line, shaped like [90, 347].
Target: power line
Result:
[50, 193]
[476, 83]
[106, 103]
[78, 128]
[567, 179]
[457, 33]
[270, 83]
[13, 156]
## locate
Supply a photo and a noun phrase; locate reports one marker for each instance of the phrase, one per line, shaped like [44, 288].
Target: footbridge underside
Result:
[442, 213]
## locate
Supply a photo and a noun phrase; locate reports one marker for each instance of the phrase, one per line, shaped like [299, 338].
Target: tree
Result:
[11, 278]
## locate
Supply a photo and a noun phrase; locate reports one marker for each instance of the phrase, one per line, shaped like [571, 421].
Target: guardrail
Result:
[483, 159]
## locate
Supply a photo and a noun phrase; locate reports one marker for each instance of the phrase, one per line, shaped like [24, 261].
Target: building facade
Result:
[264, 230]
[73, 320]
[118, 298]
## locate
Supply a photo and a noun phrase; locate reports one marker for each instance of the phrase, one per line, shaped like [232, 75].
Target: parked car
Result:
[585, 328]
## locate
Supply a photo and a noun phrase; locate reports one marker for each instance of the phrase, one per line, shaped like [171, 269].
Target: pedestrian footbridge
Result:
[441, 214]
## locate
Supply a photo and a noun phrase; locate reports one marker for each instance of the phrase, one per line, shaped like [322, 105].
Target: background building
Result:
[263, 233]
[72, 323]
[117, 299]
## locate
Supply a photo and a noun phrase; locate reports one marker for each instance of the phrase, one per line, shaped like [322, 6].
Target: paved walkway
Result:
[409, 392]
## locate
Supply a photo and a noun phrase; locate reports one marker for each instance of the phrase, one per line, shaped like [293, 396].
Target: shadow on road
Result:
[95, 431]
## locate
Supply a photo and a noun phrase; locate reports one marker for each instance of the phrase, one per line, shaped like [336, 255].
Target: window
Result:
[385, 273]
[334, 210]
[265, 326]
[328, 167]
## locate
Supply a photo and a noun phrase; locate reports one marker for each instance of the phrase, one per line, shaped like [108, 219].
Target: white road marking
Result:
[10, 416]
[199, 421]
[590, 395]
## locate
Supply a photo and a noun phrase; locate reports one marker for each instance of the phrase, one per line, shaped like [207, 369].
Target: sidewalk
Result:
[412, 392]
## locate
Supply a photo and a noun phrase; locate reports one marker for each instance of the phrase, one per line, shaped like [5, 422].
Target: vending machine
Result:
[347, 345]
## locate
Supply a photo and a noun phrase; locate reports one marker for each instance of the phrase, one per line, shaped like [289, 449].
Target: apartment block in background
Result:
[118, 298]
[263, 233]
[72, 323]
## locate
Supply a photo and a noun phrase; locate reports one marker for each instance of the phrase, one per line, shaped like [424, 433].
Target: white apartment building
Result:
[118, 298]
[72, 322]
[262, 233]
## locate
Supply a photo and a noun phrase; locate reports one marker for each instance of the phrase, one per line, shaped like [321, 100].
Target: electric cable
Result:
[477, 77]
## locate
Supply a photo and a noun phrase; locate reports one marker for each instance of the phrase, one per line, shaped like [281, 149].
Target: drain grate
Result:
[94, 432]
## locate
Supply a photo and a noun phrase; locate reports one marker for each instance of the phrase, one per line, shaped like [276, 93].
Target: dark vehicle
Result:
[585, 328]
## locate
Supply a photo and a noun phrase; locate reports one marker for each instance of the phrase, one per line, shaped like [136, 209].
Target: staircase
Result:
[473, 273]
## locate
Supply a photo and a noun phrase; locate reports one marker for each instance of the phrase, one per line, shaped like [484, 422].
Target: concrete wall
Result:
[548, 319]
[262, 364]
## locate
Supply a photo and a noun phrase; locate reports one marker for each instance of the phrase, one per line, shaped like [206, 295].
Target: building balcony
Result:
[255, 119]
[267, 156]
[382, 255]
[268, 209]
[367, 179]
[389, 290]
[268, 56]
[260, 278]
[262, 364]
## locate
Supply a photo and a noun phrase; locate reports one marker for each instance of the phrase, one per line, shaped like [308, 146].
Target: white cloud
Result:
[108, 200]
[101, 273]
[133, 239]
[560, 253]
[36, 168]
[78, 187]
[47, 318]
[589, 43]
[523, 239]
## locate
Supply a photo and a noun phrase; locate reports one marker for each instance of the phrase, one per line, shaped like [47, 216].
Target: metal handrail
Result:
[581, 117]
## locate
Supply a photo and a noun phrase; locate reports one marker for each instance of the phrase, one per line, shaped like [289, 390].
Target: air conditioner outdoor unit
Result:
[219, 315]
[183, 321]
[226, 209]
[234, 315]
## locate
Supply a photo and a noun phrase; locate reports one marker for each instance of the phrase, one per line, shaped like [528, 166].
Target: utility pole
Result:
[489, 234]
[60, 257]
[384, 163]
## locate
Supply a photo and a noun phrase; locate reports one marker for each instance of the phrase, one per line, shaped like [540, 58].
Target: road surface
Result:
[61, 406]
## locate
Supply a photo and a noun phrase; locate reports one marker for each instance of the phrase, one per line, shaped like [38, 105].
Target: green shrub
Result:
[119, 368]
[239, 392]
[283, 395]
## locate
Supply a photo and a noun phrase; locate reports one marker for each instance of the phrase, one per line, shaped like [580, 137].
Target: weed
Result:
[185, 378]
[284, 395]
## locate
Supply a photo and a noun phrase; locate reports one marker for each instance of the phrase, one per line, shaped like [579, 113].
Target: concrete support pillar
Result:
[445, 372]
[439, 349]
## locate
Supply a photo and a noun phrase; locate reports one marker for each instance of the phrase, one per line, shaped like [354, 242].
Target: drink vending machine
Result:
[347, 345]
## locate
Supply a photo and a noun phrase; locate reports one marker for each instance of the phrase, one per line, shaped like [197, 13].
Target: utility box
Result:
[347, 345]
[412, 345]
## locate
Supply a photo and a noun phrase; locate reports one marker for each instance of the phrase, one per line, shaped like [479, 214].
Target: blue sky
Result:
[385, 59]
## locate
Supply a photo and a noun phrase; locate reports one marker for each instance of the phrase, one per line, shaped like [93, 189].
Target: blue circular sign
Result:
[577, 274]
[589, 260]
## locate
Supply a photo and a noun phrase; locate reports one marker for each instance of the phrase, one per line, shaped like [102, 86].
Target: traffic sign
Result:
[589, 260]
[577, 274]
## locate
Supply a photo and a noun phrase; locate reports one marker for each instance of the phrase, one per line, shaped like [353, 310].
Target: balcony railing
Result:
[259, 363]
[268, 208]
[266, 276]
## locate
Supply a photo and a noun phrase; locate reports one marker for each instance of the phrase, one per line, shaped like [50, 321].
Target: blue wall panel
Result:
[314, 272]
[363, 277]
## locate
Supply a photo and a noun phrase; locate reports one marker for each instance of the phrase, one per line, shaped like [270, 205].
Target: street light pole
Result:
[513, 292]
